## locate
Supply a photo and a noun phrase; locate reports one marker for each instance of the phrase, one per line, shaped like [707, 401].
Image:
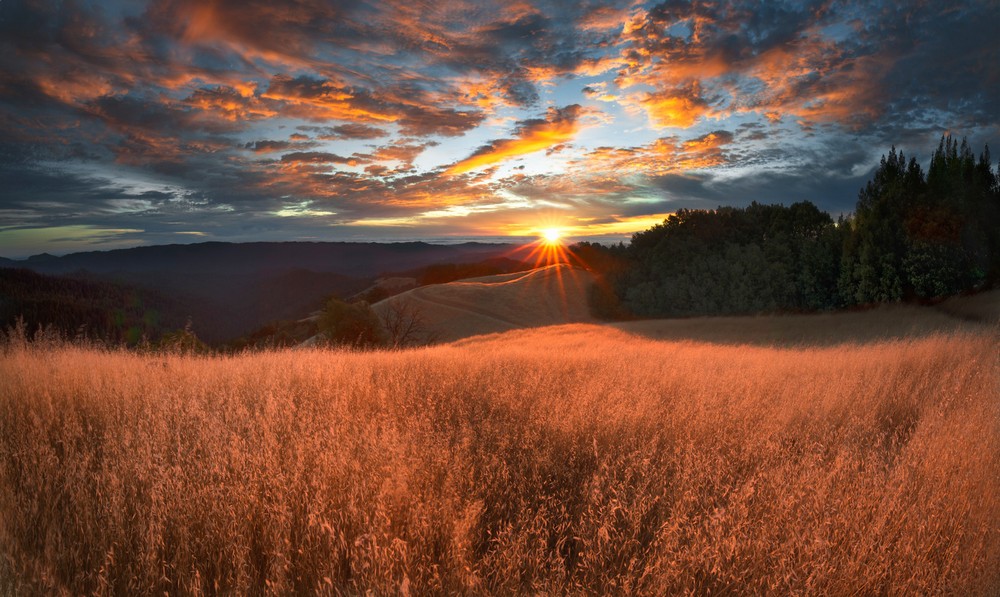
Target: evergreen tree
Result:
[911, 236]
[874, 263]
[959, 219]
[762, 258]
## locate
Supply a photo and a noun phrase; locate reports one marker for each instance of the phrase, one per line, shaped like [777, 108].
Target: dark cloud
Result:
[323, 99]
[345, 131]
[830, 192]
[447, 122]
[129, 112]
[860, 65]
[270, 145]
[314, 157]
[941, 62]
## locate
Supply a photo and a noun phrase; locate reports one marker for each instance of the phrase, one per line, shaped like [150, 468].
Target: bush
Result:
[351, 324]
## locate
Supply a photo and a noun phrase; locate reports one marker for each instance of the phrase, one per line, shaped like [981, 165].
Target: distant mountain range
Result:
[226, 289]
[348, 259]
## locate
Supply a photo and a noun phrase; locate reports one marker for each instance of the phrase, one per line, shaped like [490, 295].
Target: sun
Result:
[552, 247]
[552, 236]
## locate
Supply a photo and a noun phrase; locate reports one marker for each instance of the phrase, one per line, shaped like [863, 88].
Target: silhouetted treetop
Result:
[912, 236]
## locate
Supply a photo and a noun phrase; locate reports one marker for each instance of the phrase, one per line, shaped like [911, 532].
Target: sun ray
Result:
[551, 249]
[552, 236]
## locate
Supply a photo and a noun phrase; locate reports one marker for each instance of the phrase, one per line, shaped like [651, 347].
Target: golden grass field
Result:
[569, 459]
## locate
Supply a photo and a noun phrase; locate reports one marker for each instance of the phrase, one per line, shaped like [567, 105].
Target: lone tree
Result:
[404, 324]
[351, 324]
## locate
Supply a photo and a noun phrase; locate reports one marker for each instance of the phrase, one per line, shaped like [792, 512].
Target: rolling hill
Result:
[229, 290]
[544, 296]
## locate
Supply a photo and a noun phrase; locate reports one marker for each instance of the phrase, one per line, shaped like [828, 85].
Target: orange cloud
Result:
[663, 156]
[680, 108]
[236, 25]
[561, 125]
[324, 100]
[230, 104]
[75, 88]
[400, 151]
[583, 226]
[687, 49]
[321, 99]
[848, 95]
[709, 142]
[605, 18]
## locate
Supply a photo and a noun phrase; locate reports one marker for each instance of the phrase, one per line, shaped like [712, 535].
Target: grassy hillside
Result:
[544, 296]
[956, 314]
[569, 459]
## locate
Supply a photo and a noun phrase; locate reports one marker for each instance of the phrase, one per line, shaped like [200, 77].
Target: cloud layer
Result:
[177, 120]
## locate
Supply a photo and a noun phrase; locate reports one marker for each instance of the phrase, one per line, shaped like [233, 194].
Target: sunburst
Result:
[552, 236]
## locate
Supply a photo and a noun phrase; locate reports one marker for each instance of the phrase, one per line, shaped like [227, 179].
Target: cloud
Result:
[421, 121]
[664, 155]
[773, 60]
[345, 131]
[605, 17]
[827, 190]
[559, 126]
[709, 141]
[292, 29]
[680, 107]
[400, 151]
[271, 146]
[315, 157]
[323, 99]
[230, 104]
[185, 115]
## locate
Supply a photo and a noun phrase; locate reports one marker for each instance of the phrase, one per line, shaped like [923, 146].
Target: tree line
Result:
[91, 309]
[913, 236]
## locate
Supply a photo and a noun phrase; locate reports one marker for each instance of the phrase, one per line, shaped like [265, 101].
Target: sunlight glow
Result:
[552, 236]
[545, 253]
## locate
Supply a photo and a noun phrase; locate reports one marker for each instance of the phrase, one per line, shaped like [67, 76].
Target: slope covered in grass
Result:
[565, 459]
[544, 296]
[959, 314]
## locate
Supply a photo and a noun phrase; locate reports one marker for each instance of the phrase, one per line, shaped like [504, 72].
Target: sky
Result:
[126, 123]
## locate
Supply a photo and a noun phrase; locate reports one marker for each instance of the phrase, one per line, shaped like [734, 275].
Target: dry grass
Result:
[899, 322]
[982, 307]
[548, 295]
[966, 314]
[560, 460]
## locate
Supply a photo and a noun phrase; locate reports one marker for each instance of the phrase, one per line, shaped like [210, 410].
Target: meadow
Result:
[569, 459]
